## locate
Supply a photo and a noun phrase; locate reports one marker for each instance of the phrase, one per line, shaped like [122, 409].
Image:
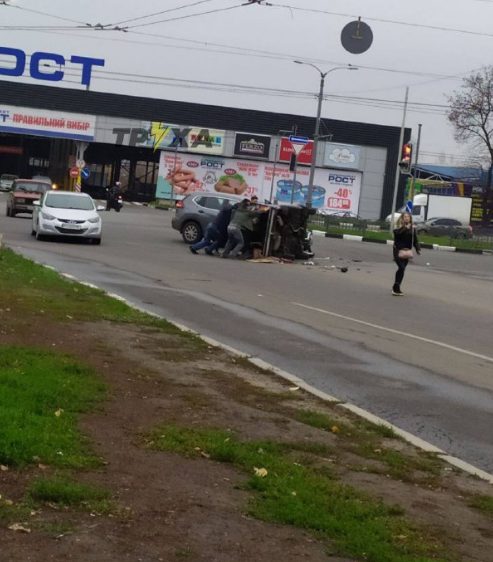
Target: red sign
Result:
[286, 150]
[10, 149]
[74, 172]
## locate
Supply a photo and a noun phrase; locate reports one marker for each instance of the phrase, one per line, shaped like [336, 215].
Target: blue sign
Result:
[40, 67]
[85, 173]
[299, 140]
[409, 206]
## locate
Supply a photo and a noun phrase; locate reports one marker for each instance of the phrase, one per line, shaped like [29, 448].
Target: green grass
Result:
[30, 288]
[482, 503]
[290, 493]
[364, 439]
[63, 491]
[41, 397]
[384, 234]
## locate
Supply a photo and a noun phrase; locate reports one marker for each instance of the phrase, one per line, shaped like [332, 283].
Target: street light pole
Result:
[316, 135]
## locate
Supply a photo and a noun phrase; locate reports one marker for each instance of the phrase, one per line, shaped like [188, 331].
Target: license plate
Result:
[72, 226]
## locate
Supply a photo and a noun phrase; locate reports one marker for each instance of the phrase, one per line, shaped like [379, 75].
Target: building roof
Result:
[451, 173]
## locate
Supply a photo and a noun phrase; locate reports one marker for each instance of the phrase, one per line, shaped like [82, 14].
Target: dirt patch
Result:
[175, 508]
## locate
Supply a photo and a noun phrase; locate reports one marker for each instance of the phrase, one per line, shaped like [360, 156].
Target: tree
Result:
[471, 113]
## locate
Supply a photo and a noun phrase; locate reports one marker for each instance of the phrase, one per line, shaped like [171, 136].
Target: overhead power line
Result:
[182, 7]
[381, 20]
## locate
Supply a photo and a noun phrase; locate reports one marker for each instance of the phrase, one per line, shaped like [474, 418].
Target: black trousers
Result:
[401, 268]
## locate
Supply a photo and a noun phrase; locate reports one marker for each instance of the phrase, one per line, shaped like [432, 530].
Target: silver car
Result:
[196, 211]
[6, 181]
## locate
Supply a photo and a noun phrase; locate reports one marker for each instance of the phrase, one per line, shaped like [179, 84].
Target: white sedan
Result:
[66, 213]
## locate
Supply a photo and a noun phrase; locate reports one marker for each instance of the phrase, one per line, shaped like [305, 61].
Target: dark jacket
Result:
[405, 238]
[223, 218]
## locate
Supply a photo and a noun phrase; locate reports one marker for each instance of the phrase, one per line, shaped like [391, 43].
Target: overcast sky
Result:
[254, 46]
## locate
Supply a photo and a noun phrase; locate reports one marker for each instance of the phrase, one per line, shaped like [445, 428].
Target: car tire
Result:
[191, 232]
[39, 236]
[96, 241]
[33, 232]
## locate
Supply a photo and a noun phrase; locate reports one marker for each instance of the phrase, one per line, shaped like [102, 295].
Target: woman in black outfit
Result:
[404, 238]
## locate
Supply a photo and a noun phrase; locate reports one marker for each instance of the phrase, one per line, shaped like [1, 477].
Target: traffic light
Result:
[406, 158]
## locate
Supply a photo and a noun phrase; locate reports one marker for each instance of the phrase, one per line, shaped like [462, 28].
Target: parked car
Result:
[442, 226]
[196, 211]
[6, 181]
[22, 195]
[67, 213]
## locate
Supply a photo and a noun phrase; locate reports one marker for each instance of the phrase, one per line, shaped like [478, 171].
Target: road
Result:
[423, 362]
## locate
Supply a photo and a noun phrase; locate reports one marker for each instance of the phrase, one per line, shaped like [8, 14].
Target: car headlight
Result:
[46, 216]
[95, 220]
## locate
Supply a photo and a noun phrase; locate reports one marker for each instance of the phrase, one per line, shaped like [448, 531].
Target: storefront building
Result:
[144, 142]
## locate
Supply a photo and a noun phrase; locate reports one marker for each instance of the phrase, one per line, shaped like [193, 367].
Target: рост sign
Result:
[39, 65]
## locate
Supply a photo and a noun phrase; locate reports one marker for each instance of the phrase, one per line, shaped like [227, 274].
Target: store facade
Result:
[143, 143]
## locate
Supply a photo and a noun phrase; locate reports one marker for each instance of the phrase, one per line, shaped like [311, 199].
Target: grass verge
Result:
[290, 493]
[63, 491]
[26, 287]
[364, 439]
[41, 396]
[482, 503]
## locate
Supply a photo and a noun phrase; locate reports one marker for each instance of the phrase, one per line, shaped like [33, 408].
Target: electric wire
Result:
[381, 20]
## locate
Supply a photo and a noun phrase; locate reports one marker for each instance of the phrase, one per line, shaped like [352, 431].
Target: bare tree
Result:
[471, 113]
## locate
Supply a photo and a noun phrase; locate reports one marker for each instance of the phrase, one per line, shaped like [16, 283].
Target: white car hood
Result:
[70, 214]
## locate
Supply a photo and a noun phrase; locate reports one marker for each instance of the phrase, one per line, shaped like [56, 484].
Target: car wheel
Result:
[33, 232]
[39, 236]
[96, 241]
[191, 232]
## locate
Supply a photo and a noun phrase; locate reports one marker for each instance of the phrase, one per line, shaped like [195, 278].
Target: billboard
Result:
[192, 139]
[247, 144]
[342, 155]
[181, 174]
[45, 123]
[286, 150]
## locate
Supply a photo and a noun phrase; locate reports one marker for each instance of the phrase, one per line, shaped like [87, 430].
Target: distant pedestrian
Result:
[241, 219]
[405, 238]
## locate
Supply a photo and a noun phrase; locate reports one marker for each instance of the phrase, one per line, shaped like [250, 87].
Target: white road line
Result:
[398, 332]
[360, 412]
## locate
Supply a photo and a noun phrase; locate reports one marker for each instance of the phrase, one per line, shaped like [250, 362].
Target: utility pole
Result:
[397, 168]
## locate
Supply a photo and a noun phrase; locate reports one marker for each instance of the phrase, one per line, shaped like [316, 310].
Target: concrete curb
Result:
[437, 247]
[301, 384]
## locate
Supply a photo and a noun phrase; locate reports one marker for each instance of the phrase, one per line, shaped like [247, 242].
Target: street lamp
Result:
[317, 123]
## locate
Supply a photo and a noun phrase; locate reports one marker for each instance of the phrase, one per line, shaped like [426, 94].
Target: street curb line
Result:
[437, 247]
[356, 410]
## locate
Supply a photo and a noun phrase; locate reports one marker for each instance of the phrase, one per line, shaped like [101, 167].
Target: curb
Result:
[360, 412]
[355, 238]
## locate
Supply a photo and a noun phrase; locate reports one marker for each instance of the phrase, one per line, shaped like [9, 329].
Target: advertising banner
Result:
[181, 174]
[252, 145]
[42, 122]
[342, 155]
[191, 139]
[286, 150]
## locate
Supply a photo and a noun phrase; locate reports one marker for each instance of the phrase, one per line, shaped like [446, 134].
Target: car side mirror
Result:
[100, 208]
[36, 203]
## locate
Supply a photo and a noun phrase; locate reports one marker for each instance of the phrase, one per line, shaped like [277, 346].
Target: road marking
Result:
[360, 412]
[398, 332]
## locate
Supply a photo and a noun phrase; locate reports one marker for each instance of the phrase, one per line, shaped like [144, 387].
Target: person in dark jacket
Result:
[216, 232]
[404, 239]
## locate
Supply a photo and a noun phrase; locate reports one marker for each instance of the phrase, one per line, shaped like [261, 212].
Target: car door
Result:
[439, 227]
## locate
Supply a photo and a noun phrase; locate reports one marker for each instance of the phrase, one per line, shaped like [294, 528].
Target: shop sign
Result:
[192, 139]
[252, 145]
[286, 150]
[40, 122]
[40, 68]
[342, 155]
[181, 174]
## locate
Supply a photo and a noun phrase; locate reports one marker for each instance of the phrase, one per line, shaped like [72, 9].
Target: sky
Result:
[242, 55]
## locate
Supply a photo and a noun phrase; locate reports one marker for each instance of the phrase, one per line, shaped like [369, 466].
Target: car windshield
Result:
[68, 201]
[8, 177]
[32, 187]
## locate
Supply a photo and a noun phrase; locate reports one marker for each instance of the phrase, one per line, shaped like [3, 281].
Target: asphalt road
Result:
[423, 362]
